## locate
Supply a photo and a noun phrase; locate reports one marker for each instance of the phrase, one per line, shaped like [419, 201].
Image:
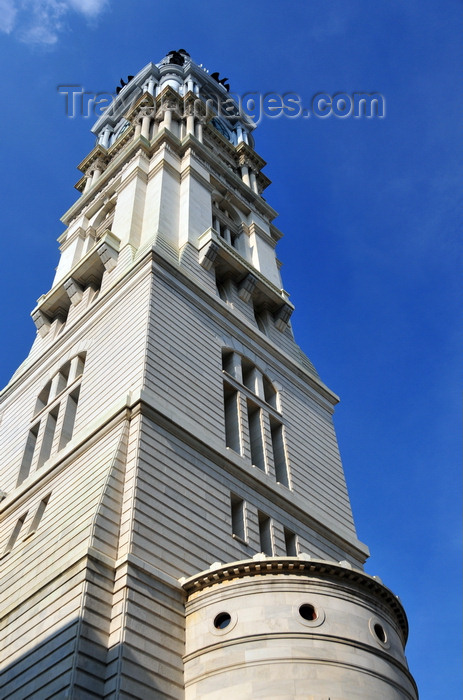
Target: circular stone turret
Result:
[293, 628]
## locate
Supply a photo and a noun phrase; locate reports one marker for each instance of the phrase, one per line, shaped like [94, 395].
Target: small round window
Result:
[380, 632]
[308, 612]
[222, 620]
[309, 615]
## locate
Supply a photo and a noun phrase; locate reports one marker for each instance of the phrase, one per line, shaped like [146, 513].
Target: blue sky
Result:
[369, 212]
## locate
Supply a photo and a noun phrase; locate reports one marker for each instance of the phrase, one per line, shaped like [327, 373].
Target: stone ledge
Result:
[302, 566]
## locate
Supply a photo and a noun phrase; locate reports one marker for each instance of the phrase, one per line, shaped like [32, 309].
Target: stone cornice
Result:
[144, 101]
[253, 228]
[275, 232]
[97, 154]
[303, 565]
[248, 156]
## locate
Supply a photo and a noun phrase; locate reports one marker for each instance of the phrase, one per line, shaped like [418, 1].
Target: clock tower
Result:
[174, 521]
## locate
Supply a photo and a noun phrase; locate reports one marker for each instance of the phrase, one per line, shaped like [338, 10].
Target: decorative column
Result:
[141, 114]
[168, 106]
[253, 179]
[146, 114]
[150, 86]
[190, 119]
[105, 136]
[245, 175]
[167, 121]
[199, 130]
[88, 184]
[98, 167]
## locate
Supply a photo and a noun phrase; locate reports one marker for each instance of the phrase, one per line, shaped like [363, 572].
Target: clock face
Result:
[122, 128]
[220, 126]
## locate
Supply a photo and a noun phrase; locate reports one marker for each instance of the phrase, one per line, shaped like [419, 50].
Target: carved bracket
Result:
[282, 316]
[42, 322]
[73, 290]
[108, 256]
[208, 258]
[246, 287]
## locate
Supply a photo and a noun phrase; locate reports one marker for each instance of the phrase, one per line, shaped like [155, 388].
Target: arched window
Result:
[103, 221]
[253, 422]
[226, 222]
[54, 416]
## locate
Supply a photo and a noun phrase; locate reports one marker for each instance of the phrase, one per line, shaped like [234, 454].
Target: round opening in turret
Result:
[308, 612]
[380, 632]
[222, 620]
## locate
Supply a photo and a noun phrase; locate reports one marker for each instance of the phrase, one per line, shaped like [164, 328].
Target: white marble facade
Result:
[165, 425]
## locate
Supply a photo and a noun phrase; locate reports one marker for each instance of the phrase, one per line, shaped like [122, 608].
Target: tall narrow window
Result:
[255, 436]
[290, 543]
[260, 320]
[237, 514]
[265, 534]
[42, 398]
[270, 394]
[63, 376]
[28, 455]
[57, 406]
[227, 362]
[232, 424]
[253, 422]
[69, 418]
[80, 363]
[38, 515]
[48, 436]
[15, 534]
[249, 375]
[279, 457]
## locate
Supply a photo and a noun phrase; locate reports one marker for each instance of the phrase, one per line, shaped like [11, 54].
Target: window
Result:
[54, 416]
[48, 436]
[15, 534]
[28, 453]
[279, 457]
[290, 543]
[255, 435]
[265, 534]
[222, 292]
[232, 428]
[38, 515]
[238, 517]
[308, 612]
[225, 289]
[253, 423]
[226, 223]
[69, 418]
[222, 620]
[261, 322]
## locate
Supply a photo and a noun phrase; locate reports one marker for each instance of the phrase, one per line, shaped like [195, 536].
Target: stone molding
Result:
[302, 565]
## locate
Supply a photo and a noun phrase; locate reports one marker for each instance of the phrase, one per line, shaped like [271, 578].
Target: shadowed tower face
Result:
[175, 521]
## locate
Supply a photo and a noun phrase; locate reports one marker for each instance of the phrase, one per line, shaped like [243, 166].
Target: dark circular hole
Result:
[308, 612]
[380, 633]
[222, 620]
